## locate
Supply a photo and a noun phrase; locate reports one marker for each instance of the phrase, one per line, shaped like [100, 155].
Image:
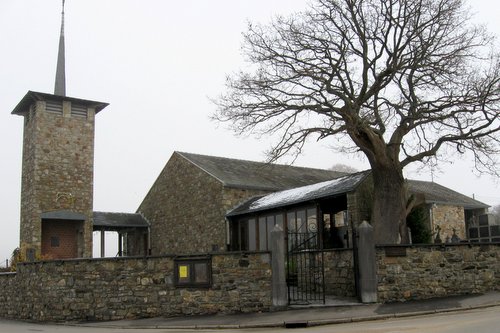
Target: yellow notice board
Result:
[183, 271]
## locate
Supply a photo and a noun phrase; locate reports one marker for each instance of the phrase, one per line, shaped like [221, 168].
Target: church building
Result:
[198, 204]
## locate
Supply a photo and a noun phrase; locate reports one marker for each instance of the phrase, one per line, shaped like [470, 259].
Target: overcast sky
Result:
[157, 63]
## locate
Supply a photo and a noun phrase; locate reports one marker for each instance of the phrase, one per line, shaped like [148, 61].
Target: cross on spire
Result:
[60, 84]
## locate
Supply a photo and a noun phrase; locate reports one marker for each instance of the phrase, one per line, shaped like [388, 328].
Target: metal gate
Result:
[305, 269]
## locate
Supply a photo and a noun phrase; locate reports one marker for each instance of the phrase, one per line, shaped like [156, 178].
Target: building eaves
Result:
[434, 193]
[32, 96]
[438, 194]
[63, 215]
[299, 195]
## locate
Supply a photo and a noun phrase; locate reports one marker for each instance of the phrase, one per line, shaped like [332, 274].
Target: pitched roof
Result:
[115, 221]
[435, 193]
[258, 175]
[300, 194]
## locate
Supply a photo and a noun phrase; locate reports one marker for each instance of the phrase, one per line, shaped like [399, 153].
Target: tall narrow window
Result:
[252, 235]
[262, 234]
[270, 227]
[292, 224]
[301, 221]
[312, 221]
[243, 235]
[279, 221]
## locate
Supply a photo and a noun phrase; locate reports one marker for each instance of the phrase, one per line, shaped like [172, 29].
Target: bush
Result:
[418, 223]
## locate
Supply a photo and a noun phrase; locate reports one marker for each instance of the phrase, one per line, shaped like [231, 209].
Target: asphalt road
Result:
[485, 320]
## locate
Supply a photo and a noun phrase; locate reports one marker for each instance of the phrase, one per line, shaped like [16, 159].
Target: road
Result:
[478, 321]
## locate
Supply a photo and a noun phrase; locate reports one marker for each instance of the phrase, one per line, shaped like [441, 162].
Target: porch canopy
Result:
[121, 223]
[299, 195]
[432, 192]
[118, 221]
[317, 207]
[316, 211]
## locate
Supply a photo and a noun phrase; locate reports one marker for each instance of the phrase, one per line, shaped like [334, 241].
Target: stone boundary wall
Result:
[426, 271]
[339, 273]
[120, 288]
[123, 288]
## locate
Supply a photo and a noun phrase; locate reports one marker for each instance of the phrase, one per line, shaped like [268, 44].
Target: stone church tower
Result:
[57, 171]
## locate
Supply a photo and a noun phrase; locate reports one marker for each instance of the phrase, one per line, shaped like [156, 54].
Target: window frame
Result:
[189, 265]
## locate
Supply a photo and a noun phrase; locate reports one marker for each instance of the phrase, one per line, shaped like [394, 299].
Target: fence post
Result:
[279, 289]
[366, 264]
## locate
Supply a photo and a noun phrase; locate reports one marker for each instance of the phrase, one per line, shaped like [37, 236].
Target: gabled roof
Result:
[116, 221]
[258, 175]
[438, 194]
[302, 194]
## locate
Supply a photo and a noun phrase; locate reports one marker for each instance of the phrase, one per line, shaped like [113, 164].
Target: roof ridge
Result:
[461, 196]
[258, 162]
[199, 166]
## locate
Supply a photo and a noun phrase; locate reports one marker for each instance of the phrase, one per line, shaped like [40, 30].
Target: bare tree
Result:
[495, 210]
[402, 81]
[343, 168]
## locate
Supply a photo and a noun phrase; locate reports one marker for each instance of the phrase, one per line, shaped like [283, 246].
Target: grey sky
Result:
[156, 62]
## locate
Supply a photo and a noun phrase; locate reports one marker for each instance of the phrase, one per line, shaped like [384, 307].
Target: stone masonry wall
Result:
[427, 271]
[235, 196]
[448, 218]
[57, 174]
[112, 289]
[185, 200]
[339, 273]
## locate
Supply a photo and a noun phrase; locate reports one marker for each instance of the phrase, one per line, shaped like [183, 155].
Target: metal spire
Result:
[60, 85]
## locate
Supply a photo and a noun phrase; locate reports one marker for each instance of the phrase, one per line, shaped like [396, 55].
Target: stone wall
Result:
[119, 288]
[187, 201]
[426, 271]
[448, 218]
[57, 171]
[339, 273]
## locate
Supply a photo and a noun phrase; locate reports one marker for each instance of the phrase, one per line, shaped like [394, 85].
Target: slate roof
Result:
[302, 194]
[115, 221]
[435, 193]
[258, 175]
[63, 215]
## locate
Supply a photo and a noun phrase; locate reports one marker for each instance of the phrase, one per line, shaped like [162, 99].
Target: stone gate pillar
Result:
[367, 270]
[279, 289]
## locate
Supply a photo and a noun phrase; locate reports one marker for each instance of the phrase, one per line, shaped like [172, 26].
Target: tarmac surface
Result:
[343, 311]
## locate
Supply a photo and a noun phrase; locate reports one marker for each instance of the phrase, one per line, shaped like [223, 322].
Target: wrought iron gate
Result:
[305, 269]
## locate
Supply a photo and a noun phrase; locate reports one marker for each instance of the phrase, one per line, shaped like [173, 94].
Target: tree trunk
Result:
[389, 205]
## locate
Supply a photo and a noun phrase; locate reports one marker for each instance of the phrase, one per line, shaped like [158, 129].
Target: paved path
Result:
[306, 317]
